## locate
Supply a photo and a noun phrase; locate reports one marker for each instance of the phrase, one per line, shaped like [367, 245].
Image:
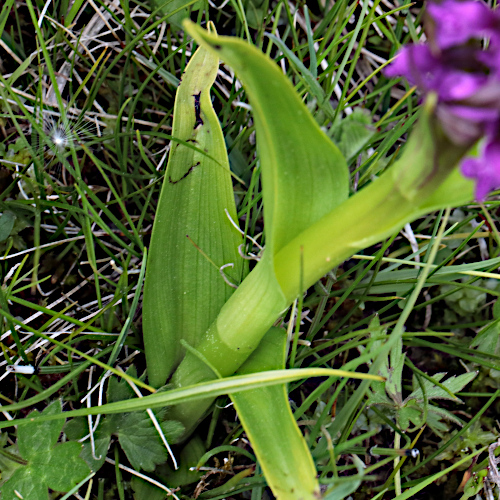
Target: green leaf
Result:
[146, 491]
[169, 7]
[7, 220]
[188, 458]
[488, 339]
[211, 389]
[184, 290]
[349, 485]
[304, 174]
[50, 465]
[474, 485]
[353, 132]
[454, 384]
[392, 368]
[269, 423]
[135, 431]
[76, 429]
[411, 412]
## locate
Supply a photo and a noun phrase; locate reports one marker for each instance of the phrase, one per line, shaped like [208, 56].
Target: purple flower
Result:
[465, 78]
[458, 22]
[486, 169]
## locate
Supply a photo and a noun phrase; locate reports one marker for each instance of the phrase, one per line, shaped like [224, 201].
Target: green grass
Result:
[75, 223]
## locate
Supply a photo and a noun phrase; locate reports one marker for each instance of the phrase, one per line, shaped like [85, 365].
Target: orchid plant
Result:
[205, 316]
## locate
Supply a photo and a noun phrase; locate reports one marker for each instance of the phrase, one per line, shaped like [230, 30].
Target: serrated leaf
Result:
[392, 369]
[407, 414]
[7, 466]
[488, 339]
[353, 132]
[378, 394]
[135, 431]
[454, 384]
[32, 440]
[50, 465]
[23, 482]
[443, 414]
[140, 440]
[118, 388]
[435, 422]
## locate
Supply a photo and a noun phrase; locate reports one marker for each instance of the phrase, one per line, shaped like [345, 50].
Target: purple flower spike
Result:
[465, 78]
[486, 169]
[458, 22]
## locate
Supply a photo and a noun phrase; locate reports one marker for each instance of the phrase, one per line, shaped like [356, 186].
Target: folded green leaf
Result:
[269, 423]
[192, 235]
[304, 174]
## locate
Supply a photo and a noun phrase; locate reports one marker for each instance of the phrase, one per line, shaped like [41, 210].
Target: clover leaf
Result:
[44, 463]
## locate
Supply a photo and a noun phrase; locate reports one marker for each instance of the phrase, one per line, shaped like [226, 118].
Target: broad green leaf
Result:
[304, 175]
[192, 235]
[49, 465]
[401, 194]
[269, 423]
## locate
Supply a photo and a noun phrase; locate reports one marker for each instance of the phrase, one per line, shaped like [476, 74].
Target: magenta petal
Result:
[458, 85]
[417, 65]
[477, 115]
[458, 22]
[485, 170]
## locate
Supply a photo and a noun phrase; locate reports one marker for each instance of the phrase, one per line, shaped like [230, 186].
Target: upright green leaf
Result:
[269, 423]
[192, 236]
[304, 174]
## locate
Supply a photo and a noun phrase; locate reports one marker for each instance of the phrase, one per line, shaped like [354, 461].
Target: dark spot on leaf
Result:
[184, 176]
[197, 110]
